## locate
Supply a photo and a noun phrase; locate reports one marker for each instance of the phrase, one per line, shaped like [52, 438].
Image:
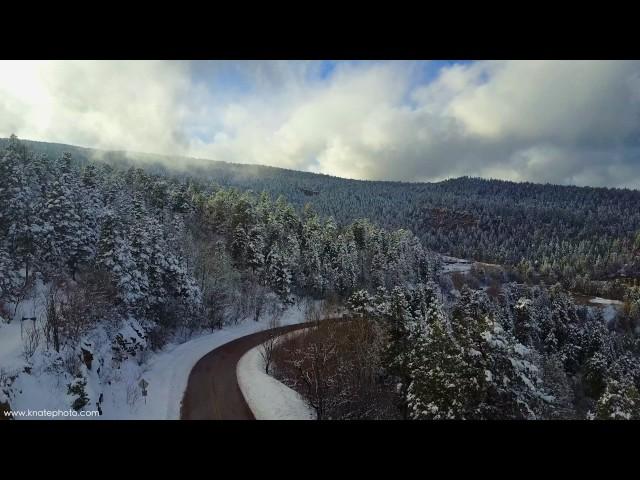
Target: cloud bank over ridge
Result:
[545, 121]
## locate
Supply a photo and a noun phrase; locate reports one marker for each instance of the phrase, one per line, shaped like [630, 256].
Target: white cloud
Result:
[125, 105]
[562, 122]
[534, 100]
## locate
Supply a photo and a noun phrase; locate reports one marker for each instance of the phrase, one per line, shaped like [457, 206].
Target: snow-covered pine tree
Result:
[10, 280]
[439, 388]
[396, 354]
[70, 238]
[115, 257]
[346, 266]
[360, 302]
[255, 250]
[619, 401]
[179, 198]
[513, 387]
[26, 221]
[557, 383]
[138, 239]
[279, 276]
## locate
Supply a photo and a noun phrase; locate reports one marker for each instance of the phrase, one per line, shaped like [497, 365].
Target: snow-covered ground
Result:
[268, 398]
[116, 386]
[609, 312]
[452, 264]
[609, 307]
[10, 346]
[605, 301]
[34, 386]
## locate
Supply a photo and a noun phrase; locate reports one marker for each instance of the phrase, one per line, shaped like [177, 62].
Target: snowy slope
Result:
[10, 346]
[268, 398]
[167, 371]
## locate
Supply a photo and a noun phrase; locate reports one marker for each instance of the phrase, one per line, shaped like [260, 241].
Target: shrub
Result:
[77, 387]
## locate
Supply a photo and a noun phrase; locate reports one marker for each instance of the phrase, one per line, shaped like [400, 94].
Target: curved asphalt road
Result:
[212, 390]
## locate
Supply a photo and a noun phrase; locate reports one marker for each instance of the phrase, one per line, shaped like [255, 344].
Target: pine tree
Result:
[116, 258]
[619, 401]
[108, 241]
[311, 270]
[70, 240]
[140, 249]
[556, 382]
[395, 355]
[254, 250]
[239, 245]
[279, 276]
[179, 199]
[346, 266]
[20, 205]
[8, 170]
[161, 267]
[360, 302]
[513, 386]
[10, 280]
[595, 375]
[439, 388]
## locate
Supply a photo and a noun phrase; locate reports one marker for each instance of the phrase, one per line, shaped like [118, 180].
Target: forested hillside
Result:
[571, 234]
[98, 255]
[424, 352]
[160, 241]
[115, 261]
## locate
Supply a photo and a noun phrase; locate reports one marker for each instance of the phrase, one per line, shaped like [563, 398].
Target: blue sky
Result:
[233, 79]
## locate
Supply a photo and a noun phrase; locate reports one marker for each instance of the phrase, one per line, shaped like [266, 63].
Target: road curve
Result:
[212, 390]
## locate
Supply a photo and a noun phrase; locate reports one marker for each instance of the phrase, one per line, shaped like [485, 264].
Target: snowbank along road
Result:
[212, 390]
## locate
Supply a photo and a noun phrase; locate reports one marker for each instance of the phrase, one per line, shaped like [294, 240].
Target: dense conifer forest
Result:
[571, 234]
[129, 254]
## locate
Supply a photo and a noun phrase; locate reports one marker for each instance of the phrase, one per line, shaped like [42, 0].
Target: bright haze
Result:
[565, 122]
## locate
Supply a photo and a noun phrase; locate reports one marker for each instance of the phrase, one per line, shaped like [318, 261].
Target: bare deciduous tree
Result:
[260, 300]
[306, 364]
[53, 320]
[316, 375]
[133, 393]
[312, 312]
[337, 367]
[30, 341]
[267, 349]
[72, 363]
[83, 305]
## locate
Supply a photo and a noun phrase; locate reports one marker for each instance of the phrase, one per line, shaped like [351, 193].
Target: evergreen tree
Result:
[360, 302]
[69, 241]
[619, 401]
[279, 276]
[560, 404]
[438, 388]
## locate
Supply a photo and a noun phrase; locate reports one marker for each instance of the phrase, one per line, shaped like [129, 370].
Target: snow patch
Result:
[452, 264]
[11, 346]
[605, 301]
